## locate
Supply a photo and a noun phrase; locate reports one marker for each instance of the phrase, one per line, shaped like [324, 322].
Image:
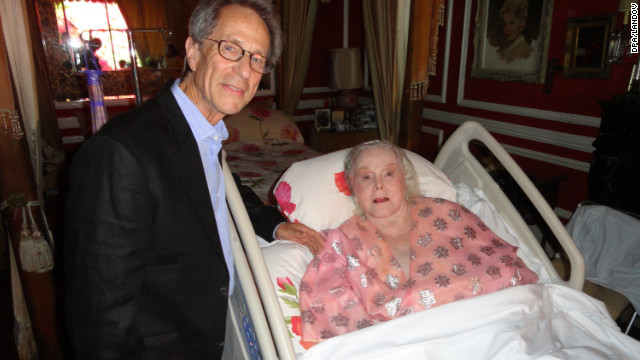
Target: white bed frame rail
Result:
[274, 341]
[456, 160]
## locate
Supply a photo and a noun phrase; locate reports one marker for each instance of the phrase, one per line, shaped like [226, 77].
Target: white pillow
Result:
[287, 262]
[314, 191]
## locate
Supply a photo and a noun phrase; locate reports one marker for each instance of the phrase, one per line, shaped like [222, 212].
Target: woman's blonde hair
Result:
[410, 175]
[520, 8]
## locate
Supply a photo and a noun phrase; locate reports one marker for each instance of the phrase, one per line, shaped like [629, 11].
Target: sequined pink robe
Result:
[355, 280]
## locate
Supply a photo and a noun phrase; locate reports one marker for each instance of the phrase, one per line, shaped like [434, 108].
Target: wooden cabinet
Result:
[328, 141]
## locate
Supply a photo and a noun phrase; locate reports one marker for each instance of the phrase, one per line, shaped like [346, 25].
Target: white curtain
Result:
[17, 35]
[386, 26]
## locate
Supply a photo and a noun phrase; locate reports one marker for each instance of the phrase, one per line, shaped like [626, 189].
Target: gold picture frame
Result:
[586, 48]
[508, 54]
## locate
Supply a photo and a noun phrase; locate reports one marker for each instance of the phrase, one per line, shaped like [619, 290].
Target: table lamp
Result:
[346, 76]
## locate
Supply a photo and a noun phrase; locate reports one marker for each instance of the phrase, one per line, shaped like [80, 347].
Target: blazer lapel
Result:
[188, 163]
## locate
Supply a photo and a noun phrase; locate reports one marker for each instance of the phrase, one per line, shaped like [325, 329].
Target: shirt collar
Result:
[197, 122]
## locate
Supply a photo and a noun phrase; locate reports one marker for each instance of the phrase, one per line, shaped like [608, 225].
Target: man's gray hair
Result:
[205, 16]
[410, 175]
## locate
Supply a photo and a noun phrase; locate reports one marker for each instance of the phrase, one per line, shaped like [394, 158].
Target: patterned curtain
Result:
[148, 14]
[424, 45]
[28, 72]
[387, 56]
[34, 295]
[426, 16]
[299, 18]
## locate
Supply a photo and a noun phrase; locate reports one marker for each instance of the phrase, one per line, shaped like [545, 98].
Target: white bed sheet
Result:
[536, 321]
[609, 241]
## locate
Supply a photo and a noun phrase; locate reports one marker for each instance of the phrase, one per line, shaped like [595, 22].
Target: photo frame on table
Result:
[587, 44]
[323, 119]
[517, 51]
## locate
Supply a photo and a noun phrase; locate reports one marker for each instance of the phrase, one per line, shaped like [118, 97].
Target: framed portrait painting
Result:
[511, 40]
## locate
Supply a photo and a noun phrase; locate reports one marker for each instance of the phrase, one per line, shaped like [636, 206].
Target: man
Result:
[147, 250]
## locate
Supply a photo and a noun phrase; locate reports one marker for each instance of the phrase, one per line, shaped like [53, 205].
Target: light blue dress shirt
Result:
[209, 139]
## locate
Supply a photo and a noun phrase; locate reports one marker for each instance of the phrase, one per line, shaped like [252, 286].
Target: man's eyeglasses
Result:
[233, 52]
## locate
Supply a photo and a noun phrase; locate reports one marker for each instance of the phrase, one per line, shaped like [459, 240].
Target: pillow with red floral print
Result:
[287, 262]
[315, 192]
[256, 123]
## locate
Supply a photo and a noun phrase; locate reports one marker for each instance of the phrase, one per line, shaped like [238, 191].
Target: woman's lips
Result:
[380, 200]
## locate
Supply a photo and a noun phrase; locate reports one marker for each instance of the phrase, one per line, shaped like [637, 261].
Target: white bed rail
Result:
[461, 166]
[266, 335]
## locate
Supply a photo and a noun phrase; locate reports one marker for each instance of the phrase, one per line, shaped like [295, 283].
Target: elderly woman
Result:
[400, 253]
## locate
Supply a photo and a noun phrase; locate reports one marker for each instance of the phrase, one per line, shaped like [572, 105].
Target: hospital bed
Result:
[552, 319]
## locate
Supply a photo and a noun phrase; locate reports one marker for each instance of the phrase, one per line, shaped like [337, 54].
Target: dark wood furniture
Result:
[615, 166]
[330, 140]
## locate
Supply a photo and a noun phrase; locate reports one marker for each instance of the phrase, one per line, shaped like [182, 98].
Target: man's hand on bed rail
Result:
[301, 234]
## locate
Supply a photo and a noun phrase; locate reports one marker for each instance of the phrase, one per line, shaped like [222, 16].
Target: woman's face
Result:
[511, 26]
[378, 182]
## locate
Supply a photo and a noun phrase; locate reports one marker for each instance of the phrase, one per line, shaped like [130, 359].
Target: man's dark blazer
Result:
[146, 273]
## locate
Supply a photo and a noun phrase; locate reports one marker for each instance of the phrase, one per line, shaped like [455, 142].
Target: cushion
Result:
[257, 123]
[287, 262]
[315, 193]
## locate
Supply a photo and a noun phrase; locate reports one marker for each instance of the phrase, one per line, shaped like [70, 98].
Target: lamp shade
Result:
[346, 69]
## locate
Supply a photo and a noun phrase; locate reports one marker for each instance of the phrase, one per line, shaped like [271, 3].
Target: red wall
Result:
[328, 34]
[567, 96]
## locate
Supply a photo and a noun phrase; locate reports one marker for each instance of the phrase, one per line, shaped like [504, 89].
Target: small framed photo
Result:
[587, 45]
[323, 119]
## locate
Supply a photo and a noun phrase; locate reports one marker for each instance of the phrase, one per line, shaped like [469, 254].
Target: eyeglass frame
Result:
[268, 63]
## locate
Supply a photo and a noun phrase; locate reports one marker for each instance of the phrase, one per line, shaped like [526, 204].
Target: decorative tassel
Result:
[35, 253]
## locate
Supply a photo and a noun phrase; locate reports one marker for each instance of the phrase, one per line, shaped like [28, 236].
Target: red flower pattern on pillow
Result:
[232, 158]
[288, 288]
[341, 183]
[282, 281]
[249, 174]
[293, 152]
[263, 113]
[289, 132]
[251, 148]
[283, 196]
[296, 325]
[234, 135]
[266, 164]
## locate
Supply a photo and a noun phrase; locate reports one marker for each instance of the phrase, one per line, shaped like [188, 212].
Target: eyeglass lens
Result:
[234, 52]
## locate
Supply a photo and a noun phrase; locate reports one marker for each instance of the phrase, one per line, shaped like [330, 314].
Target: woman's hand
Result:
[301, 234]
